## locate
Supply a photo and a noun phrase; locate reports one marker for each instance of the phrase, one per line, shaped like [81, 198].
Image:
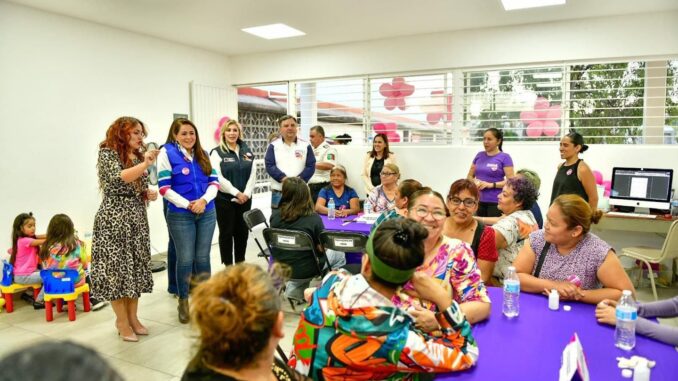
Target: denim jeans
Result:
[192, 235]
[294, 289]
[276, 195]
[33, 278]
[171, 256]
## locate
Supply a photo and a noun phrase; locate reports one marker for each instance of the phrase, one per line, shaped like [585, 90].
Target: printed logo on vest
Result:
[569, 172]
[185, 171]
[298, 154]
[330, 156]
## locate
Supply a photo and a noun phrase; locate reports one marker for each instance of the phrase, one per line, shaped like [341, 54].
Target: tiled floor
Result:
[162, 355]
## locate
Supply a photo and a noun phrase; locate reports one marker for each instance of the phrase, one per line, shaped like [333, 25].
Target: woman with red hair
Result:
[121, 251]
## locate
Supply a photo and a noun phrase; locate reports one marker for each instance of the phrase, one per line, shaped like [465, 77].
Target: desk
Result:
[530, 346]
[635, 224]
[338, 225]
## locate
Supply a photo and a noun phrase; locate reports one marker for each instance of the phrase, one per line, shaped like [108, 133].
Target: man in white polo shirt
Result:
[325, 160]
[288, 156]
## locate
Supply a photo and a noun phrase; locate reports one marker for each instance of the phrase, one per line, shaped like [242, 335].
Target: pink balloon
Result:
[401, 103]
[608, 186]
[390, 127]
[554, 112]
[528, 116]
[551, 128]
[386, 89]
[534, 129]
[393, 137]
[541, 104]
[406, 90]
[223, 120]
[391, 103]
[217, 132]
[433, 118]
[599, 177]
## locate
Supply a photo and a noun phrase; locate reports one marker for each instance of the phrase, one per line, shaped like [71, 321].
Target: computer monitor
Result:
[641, 188]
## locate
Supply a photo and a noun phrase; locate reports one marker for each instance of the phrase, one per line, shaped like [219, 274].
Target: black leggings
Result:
[233, 232]
[488, 209]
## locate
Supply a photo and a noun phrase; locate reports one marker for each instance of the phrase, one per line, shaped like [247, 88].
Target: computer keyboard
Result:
[635, 215]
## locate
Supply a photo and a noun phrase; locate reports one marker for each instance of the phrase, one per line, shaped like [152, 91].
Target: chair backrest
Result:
[291, 241]
[7, 272]
[670, 248]
[59, 281]
[347, 242]
[253, 218]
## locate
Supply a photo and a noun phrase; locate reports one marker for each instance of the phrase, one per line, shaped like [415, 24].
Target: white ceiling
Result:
[215, 24]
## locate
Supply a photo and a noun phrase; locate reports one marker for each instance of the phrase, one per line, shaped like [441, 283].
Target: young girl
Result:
[62, 249]
[24, 254]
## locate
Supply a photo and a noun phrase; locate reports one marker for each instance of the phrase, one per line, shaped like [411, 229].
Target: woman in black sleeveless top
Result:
[574, 176]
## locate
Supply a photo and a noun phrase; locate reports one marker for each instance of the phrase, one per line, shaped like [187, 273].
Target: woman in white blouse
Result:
[233, 161]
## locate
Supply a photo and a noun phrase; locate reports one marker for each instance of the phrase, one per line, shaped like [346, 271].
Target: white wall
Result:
[596, 38]
[62, 83]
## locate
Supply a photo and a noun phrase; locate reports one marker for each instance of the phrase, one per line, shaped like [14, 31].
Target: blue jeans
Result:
[171, 256]
[192, 235]
[294, 289]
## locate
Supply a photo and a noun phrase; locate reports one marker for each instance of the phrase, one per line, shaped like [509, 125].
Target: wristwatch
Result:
[494, 185]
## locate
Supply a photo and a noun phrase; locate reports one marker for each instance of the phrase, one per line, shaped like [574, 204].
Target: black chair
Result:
[254, 218]
[295, 249]
[347, 242]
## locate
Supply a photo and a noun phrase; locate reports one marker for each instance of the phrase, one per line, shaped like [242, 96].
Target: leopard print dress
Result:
[121, 251]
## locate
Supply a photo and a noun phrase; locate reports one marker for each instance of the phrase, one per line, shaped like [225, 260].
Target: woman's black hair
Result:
[578, 140]
[399, 243]
[498, 134]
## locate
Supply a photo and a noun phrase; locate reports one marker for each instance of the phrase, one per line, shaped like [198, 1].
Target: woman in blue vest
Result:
[188, 181]
[233, 161]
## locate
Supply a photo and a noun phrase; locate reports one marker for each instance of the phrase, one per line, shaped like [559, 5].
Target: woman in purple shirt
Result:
[489, 170]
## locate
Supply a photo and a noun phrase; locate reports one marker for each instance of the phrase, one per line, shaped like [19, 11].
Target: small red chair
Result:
[60, 287]
[8, 288]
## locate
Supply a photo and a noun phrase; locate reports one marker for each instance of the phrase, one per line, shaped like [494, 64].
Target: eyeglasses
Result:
[437, 214]
[387, 173]
[468, 202]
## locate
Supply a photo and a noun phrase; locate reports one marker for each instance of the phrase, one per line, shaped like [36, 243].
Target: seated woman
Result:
[346, 201]
[574, 261]
[382, 197]
[371, 338]
[405, 190]
[515, 201]
[533, 177]
[296, 213]
[448, 261]
[237, 312]
[462, 202]
[605, 313]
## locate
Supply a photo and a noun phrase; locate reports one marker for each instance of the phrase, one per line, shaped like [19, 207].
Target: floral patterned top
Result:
[456, 269]
[62, 259]
[379, 201]
[515, 228]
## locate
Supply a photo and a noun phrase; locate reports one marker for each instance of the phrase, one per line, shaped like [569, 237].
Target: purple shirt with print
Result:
[491, 169]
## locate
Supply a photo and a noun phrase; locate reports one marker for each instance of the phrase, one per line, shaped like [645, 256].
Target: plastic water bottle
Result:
[626, 314]
[511, 306]
[331, 210]
[367, 207]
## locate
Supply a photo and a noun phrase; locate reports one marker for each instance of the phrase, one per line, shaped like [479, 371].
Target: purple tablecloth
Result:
[338, 225]
[529, 347]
